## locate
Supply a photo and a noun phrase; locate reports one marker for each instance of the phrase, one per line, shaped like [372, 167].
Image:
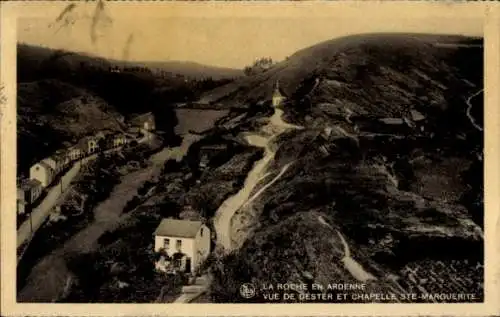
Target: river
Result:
[263, 139]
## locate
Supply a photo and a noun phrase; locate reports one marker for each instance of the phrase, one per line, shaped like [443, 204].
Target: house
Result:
[89, 144]
[115, 140]
[62, 158]
[209, 151]
[278, 96]
[27, 193]
[42, 172]
[118, 139]
[56, 162]
[417, 116]
[144, 121]
[185, 244]
[419, 120]
[75, 153]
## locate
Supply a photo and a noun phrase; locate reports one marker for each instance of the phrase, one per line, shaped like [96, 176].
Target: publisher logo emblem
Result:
[247, 290]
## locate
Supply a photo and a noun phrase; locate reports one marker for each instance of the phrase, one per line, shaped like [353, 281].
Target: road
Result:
[263, 139]
[50, 278]
[55, 193]
[352, 266]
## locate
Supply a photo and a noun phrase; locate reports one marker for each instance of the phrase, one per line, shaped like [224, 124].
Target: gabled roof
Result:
[392, 120]
[29, 183]
[44, 165]
[178, 228]
[417, 116]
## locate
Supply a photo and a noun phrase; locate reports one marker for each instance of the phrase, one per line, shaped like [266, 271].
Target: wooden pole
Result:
[31, 222]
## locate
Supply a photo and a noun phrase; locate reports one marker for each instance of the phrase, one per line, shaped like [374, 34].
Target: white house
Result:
[74, 153]
[42, 172]
[185, 242]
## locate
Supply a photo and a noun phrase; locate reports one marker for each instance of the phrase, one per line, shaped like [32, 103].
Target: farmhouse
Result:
[184, 245]
[42, 172]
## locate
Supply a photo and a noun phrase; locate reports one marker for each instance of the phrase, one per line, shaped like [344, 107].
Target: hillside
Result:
[63, 95]
[342, 63]
[191, 70]
[51, 112]
[406, 196]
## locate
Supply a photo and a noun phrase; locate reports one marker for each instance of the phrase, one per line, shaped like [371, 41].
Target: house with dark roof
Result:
[28, 191]
[183, 245]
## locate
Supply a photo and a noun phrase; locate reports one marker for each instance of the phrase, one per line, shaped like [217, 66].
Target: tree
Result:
[259, 66]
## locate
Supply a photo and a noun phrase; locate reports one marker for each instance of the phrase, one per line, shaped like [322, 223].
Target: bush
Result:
[132, 204]
[145, 188]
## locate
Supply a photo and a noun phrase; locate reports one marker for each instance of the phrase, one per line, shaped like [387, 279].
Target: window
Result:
[166, 244]
[178, 244]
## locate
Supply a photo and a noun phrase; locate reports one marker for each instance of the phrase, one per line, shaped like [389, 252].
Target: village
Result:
[47, 173]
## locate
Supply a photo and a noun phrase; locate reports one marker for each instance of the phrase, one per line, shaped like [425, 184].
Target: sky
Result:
[143, 34]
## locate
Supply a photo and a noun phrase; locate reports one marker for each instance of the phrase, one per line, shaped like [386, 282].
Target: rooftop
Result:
[417, 116]
[178, 228]
[141, 117]
[29, 183]
[392, 120]
[59, 154]
[44, 164]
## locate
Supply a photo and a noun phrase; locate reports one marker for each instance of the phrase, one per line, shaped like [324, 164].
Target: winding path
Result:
[469, 104]
[224, 215]
[351, 265]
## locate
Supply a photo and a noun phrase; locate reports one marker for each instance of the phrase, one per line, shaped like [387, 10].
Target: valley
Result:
[351, 161]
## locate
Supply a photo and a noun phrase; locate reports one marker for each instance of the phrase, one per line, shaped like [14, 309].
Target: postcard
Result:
[279, 158]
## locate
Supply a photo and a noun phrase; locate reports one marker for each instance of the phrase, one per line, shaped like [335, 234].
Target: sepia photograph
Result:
[168, 157]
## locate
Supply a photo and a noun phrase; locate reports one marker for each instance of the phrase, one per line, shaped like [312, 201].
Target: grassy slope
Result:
[341, 58]
[423, 220]
[183, 69]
